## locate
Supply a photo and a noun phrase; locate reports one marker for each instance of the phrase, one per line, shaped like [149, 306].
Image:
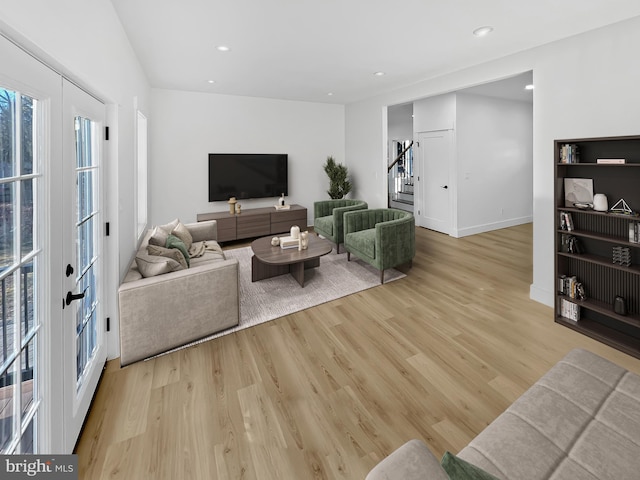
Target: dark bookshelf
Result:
[597, 234]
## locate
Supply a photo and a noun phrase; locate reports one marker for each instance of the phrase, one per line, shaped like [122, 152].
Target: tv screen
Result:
[247, 175]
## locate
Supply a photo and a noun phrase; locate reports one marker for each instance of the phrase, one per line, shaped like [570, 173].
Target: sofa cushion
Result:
[160, 233]
[152, 265]
[458, 469]
[364, 241]
[175, 242]
[325, 224]
[183, 234]
[169, 253]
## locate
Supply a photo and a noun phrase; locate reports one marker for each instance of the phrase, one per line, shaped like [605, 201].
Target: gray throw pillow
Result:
[161, 232]
[151, 265]
[169, 253]
[183, 234]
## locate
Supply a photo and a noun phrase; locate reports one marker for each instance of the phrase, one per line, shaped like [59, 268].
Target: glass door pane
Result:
[87, 250]
[19, 273]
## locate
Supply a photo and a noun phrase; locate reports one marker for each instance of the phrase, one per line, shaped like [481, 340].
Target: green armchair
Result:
[328, 221]
[383, 237]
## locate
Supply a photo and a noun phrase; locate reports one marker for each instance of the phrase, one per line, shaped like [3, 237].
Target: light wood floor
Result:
[327, 392]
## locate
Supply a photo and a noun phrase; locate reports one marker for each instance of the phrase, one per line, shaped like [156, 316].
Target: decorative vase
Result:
[238, 208]
[600, 203]
[275, 241]
[232, 205]
[295, 232]
[281, 200]
[303, 241]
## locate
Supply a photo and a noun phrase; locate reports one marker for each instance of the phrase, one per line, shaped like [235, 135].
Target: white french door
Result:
[82, 255]
[29, 145]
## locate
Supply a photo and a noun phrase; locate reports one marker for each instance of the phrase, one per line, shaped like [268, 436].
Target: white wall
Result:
[400, 119]
[586, 86]
[186, 126]
[86, 42]
[494, 151]
[434, 113]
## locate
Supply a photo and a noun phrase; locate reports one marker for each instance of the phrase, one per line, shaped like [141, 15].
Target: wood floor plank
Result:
[327, 392]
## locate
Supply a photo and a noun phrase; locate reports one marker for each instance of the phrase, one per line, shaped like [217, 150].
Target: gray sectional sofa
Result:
[164, 305]
[581, 420]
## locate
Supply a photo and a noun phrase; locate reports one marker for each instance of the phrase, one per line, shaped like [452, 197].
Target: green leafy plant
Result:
[339, 184]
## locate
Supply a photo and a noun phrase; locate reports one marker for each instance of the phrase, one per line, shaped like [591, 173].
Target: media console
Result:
[256, 222]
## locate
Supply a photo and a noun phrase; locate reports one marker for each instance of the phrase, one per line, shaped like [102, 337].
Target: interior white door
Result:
[435, 151]
[83, 234]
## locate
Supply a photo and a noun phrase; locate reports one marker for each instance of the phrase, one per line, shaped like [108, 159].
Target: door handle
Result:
[444, 186]
[71, 297]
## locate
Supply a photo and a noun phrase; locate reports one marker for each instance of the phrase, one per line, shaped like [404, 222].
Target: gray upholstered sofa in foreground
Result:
[168, 310]
[581, 420]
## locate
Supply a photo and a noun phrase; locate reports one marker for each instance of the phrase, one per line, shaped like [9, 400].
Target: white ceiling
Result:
[304, 50]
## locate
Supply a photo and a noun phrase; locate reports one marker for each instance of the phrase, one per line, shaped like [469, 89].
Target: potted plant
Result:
[339, 184]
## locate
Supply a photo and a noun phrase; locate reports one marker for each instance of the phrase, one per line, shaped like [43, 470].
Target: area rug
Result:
[279, 296]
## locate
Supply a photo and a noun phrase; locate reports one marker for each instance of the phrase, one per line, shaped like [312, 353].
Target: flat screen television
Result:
[240, 175]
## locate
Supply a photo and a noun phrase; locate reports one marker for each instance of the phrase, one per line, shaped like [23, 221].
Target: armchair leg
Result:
[337, 248]
[348, 256]
[381, 276]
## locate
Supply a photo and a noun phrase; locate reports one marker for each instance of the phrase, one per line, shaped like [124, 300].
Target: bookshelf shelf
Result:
[597, 234]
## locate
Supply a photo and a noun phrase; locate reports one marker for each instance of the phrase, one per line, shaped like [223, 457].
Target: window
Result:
[141, 180]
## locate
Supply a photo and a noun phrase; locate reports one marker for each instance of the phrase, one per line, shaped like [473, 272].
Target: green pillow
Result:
[175, 242]
[458, 469]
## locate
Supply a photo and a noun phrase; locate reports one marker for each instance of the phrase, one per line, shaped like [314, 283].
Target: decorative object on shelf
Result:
[622, 207]
[232, 205]
[620, 305]
[578, 190]
[295, 232]
[339, 184]
[238, 208]
[622, 256]
[281, 200]
[303, 240]
[581, 293]
[275, 241]
[600, 203]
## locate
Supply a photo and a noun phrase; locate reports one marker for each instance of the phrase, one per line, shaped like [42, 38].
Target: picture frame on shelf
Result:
[578, 191]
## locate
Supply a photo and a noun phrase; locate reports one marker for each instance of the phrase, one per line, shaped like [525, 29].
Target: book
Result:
[611, 161]
[569, 153]
[289, 242]
[282, 207]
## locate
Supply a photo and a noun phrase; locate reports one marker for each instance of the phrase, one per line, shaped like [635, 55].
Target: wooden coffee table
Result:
[269, 261]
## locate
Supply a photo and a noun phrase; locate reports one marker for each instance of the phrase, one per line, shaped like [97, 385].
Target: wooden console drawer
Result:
[283, 221]
[252, 226]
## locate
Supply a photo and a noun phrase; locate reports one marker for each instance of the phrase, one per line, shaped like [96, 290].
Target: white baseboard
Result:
[512, 222]
[541, 295]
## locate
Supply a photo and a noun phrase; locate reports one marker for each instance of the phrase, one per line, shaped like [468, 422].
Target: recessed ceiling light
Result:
[482, 31]
[211, 81]
[330, 94]
[222, 48]
[379, 74]
[529, 87]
